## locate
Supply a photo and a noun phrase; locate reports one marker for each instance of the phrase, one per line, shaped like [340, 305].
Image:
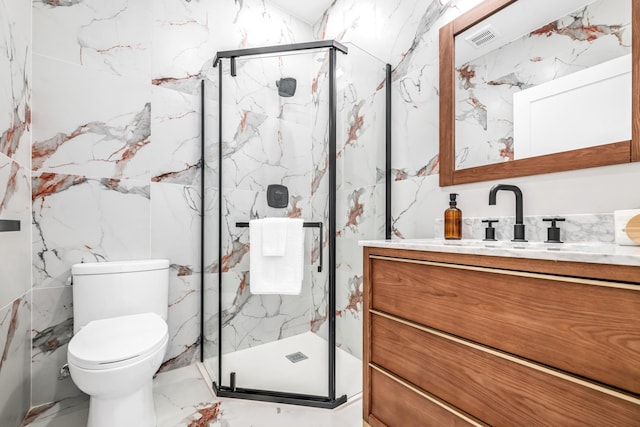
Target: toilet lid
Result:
[108, 343]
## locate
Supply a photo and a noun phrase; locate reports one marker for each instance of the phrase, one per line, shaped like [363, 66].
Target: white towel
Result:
[276, 274]
[274, 236]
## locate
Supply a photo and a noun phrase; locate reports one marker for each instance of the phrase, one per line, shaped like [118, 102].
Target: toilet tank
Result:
[118, 288]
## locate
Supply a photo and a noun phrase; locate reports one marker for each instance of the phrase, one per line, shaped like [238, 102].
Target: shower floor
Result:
[266, 367]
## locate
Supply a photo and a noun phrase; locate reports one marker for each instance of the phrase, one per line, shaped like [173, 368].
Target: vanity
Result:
[471, 333]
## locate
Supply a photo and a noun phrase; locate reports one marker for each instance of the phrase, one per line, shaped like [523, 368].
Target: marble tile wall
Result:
[361, 114]
[15, 192]
[574, 229]
[405, 35]
[413, 54]
[15, 367]
[116, 150]
[91, 156]
[266, 140]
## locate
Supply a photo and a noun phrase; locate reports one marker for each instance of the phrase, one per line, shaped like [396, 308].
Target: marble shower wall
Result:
[15, 192]
[266, 140]
[592, 35]
[403, 33]
[116, 151]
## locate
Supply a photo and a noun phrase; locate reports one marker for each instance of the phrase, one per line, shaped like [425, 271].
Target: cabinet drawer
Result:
[498, 389]
[584, 328]
[394, 404]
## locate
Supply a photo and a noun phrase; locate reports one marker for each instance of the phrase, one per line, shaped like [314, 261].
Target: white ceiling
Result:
[308, 11]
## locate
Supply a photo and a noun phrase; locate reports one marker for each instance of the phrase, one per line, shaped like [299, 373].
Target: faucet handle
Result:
[490, 232]
[553, 232]
[554, 220]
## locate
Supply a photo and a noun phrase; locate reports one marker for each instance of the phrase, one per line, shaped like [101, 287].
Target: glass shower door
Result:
[274, 130]
[279, 119]
[360, 192]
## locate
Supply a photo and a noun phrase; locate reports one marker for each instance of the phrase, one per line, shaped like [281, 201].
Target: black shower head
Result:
[286, 87]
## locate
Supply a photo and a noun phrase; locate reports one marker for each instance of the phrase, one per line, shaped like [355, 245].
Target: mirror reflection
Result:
[536, 79]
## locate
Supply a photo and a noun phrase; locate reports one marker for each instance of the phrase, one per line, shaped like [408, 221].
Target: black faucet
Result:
[518, 228]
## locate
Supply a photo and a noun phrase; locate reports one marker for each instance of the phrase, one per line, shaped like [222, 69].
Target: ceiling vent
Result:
[483, 36]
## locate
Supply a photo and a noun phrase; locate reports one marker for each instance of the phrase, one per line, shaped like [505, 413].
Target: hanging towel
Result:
[276, 274]
[274, 236]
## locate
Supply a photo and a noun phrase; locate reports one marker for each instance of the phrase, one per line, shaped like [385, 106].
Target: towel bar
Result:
[9, 225]
[305, 225]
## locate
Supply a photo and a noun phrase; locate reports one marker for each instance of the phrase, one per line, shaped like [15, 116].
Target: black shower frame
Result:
[330, 401]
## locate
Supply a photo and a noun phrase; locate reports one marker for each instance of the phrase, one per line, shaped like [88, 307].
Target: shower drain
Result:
[296, 357]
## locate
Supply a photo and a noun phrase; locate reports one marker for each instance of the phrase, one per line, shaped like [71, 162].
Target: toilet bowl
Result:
[120, 338]
[113, 360]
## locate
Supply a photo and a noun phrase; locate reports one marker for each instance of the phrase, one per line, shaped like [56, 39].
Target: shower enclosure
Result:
[310, 122]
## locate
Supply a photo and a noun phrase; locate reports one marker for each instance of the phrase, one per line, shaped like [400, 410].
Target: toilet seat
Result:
[118, 341]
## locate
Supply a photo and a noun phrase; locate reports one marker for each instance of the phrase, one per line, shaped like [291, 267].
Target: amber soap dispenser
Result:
[453, 220]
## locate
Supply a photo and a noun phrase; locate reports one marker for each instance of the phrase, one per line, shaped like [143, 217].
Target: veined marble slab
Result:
[576, 228]
[598, 253]
[183, 398]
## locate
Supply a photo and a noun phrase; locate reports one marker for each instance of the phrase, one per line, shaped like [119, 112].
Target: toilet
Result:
[120, 338]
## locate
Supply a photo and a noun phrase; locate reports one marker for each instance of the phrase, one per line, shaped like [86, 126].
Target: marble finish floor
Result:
[283, 375]
[184, 398]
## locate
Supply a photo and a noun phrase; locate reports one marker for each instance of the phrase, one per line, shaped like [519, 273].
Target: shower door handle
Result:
[321, 237]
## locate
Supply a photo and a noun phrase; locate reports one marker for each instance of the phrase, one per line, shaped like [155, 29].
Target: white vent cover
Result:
[483, 36]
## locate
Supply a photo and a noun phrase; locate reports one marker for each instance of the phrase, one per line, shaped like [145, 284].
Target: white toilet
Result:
[120, 338]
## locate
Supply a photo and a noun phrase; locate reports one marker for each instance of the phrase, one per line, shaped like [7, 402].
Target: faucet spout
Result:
[518, 228]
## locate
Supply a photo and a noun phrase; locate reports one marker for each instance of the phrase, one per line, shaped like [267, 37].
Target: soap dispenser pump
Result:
[453, 220]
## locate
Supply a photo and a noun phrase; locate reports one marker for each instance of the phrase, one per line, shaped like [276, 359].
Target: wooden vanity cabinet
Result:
[453, 339]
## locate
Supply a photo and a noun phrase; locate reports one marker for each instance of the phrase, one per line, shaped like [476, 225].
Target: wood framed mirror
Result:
[608, 152]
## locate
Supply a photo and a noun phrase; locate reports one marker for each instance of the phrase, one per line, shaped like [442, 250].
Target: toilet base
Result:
[132, 410]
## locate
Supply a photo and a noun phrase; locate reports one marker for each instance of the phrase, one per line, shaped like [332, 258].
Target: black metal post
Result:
[220, 225]
[202, 213]
[331, 314]
[388, 180]
[233, 66]
[232, 381]
[266, 50]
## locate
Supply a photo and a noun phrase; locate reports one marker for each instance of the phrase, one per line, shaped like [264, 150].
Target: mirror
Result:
[517, 95]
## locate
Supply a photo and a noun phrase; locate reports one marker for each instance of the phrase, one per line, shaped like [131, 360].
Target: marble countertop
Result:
[596, 252]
